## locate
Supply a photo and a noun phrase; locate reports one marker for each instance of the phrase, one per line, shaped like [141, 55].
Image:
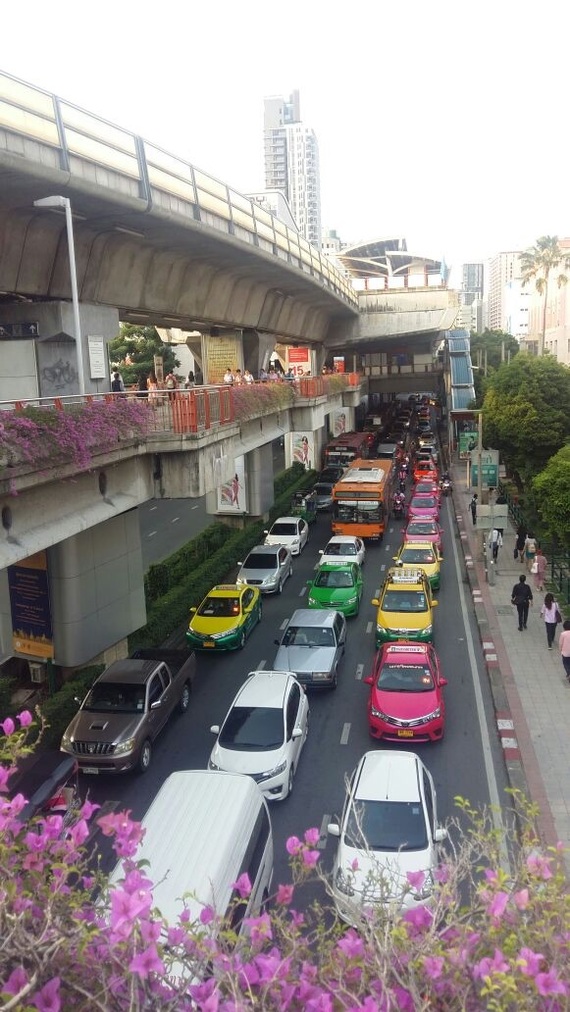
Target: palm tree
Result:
[537, 263]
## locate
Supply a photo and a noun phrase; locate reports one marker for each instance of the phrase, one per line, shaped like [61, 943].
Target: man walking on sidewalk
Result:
[495, 542]
[522, 598]
[473, 508]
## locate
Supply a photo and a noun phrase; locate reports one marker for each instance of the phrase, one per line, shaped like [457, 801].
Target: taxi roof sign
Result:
[406, 575]
[407, 648]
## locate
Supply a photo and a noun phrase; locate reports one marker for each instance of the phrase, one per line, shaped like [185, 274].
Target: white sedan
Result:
[388, 831]
[293, 532]
[343, 548]
[264, 732]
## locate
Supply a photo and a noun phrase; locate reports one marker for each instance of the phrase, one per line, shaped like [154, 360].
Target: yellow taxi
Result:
[405, 607]
[225, 618]
[421, 555]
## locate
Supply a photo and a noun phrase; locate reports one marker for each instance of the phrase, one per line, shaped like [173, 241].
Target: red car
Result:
[425, 470]
[406, 696]
[423, 507]
[424, 530]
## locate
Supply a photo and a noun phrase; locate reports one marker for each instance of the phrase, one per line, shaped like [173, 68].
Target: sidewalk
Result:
[530, 691]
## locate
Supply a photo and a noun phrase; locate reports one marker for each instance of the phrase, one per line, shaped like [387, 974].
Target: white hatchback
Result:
[388, 829]
[293, 532]
[264, 732]
[343, 548]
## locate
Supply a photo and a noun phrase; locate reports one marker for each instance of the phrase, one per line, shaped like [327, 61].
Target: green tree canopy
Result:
[489, 351]
[133, 350]
[526, 413]
[552, 492]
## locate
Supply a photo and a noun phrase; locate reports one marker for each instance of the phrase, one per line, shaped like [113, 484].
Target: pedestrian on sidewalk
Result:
[473, 507]
[530, 547]
[551, 615]
[495, 542]
[538, 569]
[520, 542]
[522, 598]
[564, 647]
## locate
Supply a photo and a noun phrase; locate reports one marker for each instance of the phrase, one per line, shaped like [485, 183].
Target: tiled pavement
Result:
[530, 691]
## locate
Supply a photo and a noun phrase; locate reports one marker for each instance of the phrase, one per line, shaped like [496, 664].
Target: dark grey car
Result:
[312, 647]
[323, 491]
[266, 567]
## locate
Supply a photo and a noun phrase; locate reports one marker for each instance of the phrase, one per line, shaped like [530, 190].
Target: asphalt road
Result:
[467, 762]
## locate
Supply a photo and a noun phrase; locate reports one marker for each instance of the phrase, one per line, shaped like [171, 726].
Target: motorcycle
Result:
[445, 486]
[398, 506]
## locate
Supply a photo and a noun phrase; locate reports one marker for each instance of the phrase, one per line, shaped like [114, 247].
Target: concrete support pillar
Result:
[257, 350]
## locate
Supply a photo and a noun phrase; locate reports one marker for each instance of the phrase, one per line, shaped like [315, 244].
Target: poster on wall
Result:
[222, 352]
[299, 360]
[302, 449]
[32, 633]
[338, 363]
[232, 495]
[338, 419]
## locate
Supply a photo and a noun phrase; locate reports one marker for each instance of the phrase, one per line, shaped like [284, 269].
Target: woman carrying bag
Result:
[551, 615]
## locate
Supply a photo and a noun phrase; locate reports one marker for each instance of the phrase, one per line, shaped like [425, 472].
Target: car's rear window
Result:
[386, 825]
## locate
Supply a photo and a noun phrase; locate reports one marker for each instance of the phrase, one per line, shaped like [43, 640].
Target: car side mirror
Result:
[443, 681]
[375, 602]
[266, 532]
[321, 551]
[192, 609]
[333, 829]
[277, 643]
[434, 604]
[156, 705]
[369, 680]
[215, 729]
[440, 835]
[76, 699]
[297, 732]
[239, 563]
[395, 558]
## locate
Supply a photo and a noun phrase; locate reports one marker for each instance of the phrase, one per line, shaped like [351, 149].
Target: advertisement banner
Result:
[32, 632]
[298, 360]
[302, 449]
[467, 443]
[338, 363]
[232, 495]
[338, 421]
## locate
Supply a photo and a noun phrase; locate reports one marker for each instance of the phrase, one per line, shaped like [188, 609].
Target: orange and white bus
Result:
[348, 447]
[362, 499]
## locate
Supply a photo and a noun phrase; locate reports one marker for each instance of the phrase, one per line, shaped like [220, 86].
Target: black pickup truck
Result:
[127, 708]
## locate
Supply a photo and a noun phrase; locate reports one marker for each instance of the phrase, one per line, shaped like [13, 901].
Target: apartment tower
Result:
[292, 163]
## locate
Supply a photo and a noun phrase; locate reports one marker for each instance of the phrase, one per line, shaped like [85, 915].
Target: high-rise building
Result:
[292, 163]
[503, 268]
[472, 283]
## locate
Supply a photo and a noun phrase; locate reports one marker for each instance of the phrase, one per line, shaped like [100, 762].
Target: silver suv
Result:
[312, 646]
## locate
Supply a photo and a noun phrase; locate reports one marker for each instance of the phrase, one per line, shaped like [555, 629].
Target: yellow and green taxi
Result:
[405, 607]
[225, 618]
[421, 555]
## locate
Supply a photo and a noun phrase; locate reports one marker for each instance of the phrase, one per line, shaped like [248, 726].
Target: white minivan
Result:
[202, 831]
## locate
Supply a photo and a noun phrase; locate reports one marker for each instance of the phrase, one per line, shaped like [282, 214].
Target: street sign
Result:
[489, 468]
[11, 331]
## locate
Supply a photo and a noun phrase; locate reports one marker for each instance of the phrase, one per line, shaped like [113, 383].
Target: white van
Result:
[203, 830]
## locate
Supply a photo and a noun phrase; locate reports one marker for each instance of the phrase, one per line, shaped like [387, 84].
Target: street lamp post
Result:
[58, 201]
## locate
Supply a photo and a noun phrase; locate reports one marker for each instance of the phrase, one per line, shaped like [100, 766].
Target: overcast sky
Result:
[445, 122]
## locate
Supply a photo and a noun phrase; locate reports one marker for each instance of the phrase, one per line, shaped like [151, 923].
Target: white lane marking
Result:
[151, 508]
[151, 535]
[175, 520]
[485, 736]
[323, 835]
[368, 628]
[261, 665]
[284, 623]
[359, 670]
[194, 507]
[345, 734]
[377, 592]
[316, 566]
[302, 592]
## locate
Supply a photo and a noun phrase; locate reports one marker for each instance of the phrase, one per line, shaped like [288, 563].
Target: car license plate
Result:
[405, 733]
[89, 769]
[209, 643]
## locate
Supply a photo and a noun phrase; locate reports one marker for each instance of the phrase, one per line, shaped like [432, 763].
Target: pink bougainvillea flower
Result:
[243, 885]
[529, 961]
[310, 858]
[48, 999]
[297, 919]
[88, 808]
[25, 718]
[433, 966]
[489, 965]
[147, 962]
[491, 875]
[521, 899]
[8, 726]
[16, 981]
[5, 772]
[351, 945]
[550, 983]
[293, 845]
[354, 865]
[312, 836]
[207, 915]
[498, 905]
[125, 907]
[441, 874]
[416, 879]
[418, 918]
[539, 865]
[284, 894]
[259, 927]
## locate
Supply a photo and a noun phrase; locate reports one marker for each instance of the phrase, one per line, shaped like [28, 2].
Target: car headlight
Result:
[295, 541]
[313, 600]
[432, 716]
[321, 674]
[352, 600]
[280, 768]
[241, 580]
[428, 630]
[270, 579]
[125, 746]
[343, 883]
[67, 742]
[378, 713]
[221, 635]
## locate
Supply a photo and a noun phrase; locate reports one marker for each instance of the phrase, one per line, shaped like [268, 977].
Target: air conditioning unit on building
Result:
[38, 672]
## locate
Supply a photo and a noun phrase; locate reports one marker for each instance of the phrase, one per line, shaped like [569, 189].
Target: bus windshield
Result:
[358, 511]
